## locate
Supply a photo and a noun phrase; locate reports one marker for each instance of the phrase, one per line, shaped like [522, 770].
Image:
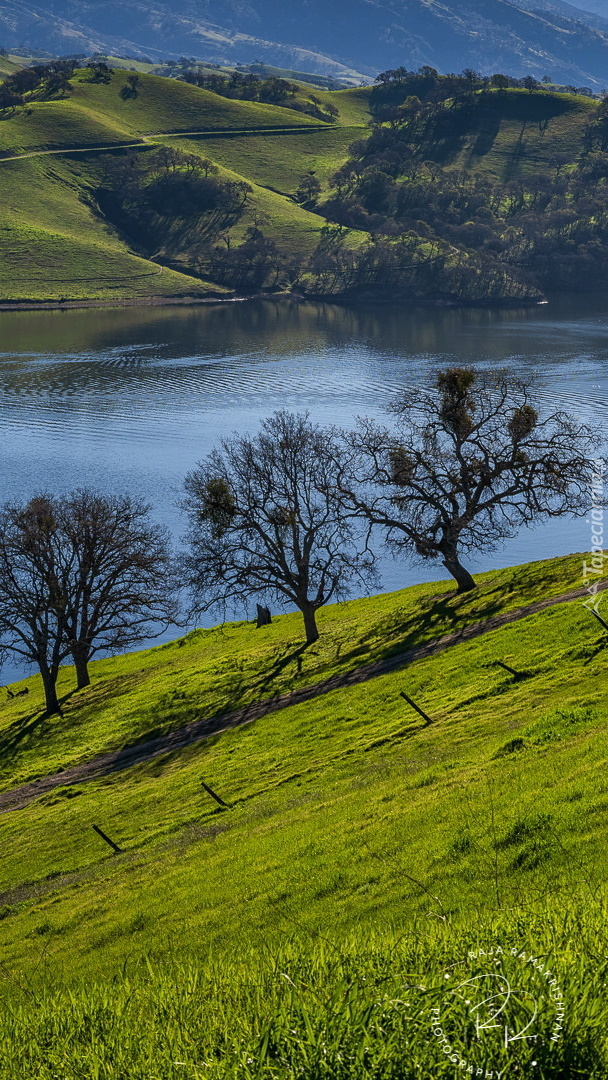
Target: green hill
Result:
[514, 133]
[487, 196]
[364, 850]
[54, 242]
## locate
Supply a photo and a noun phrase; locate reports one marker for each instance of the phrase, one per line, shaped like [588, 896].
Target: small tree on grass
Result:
[264, 521]
[121, 586]
[465, 467]
[78, 575]
[32, 610]
[309, 188]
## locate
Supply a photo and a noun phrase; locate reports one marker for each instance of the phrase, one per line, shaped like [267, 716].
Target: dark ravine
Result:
[116, 761]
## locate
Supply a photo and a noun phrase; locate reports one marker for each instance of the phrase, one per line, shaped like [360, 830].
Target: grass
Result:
[364, 857]
[356, 754]
[46, 219]
[369, 1007]
[279, 161]
[226, 668]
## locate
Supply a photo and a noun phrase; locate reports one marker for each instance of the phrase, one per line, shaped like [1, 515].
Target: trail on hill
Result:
[197, 730]
[137, 143]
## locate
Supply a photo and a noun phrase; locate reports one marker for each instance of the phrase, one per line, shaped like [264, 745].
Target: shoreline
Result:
[193, 301]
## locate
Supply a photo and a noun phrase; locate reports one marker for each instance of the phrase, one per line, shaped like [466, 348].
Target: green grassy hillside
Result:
[12, 62]
[517, 133]
[58, 245]
[349, 818]
[54, 243]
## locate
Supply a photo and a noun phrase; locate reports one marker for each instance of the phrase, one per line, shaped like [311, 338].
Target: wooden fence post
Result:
[115, 847]
[214, 796]
[417, 708]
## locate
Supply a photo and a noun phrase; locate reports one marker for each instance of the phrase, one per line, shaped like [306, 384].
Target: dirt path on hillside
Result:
[140, 141]
[17, 798]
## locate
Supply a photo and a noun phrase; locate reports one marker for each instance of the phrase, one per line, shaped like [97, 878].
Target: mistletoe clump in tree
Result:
[265, 521]
[465, 466]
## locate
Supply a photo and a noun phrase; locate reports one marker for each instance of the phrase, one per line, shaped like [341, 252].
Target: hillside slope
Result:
[347, 811]
[478, 195]
[54, 241]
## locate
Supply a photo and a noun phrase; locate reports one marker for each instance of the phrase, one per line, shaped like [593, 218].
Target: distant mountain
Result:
[599, 7]
[596, 18]
[517, 36]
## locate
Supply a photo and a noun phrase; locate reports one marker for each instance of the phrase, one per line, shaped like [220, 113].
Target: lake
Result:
[131, 398]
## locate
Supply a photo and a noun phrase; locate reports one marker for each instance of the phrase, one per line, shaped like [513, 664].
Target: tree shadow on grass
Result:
[279, 666]
[21, 733]
[24, 732]
[437, 617]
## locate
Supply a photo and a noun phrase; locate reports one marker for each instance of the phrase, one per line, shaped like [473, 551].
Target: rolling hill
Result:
[521, 36]
[56, 244]
[74, 229]
[363, 850]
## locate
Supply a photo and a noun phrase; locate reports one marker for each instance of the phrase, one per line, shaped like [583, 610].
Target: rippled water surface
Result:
[132, 398]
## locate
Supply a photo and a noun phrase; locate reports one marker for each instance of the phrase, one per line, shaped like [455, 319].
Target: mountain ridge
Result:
[533, 37]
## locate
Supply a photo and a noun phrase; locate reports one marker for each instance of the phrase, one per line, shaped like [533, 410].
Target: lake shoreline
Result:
[196, 301]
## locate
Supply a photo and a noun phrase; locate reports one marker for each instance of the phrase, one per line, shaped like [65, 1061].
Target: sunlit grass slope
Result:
[361, 847]
[159, 106]
[332, 798]
[279, 161]
[53, 242]
[374, 1005]
[53, 245]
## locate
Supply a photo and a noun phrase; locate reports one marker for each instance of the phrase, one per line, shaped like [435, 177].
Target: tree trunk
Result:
[81, 664]
[310, 624]
[459, 572]
[49, 681]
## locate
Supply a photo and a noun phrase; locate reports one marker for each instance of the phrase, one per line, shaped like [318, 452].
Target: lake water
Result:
[130, 399]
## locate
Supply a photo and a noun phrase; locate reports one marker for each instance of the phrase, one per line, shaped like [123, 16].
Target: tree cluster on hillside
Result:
[427, 85]
[545, 230]
[41, 81]
[270, 90]
[168, 200]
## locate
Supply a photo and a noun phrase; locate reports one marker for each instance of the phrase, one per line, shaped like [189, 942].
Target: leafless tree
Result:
[81, 574]
[465, 466]
[264, 521]
[121, 585]
[32, 614]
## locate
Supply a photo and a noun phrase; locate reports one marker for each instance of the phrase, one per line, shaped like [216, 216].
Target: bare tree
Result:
[32, 612]
[121, 587]
[264, 521]
[81, 574]
[465, 467]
